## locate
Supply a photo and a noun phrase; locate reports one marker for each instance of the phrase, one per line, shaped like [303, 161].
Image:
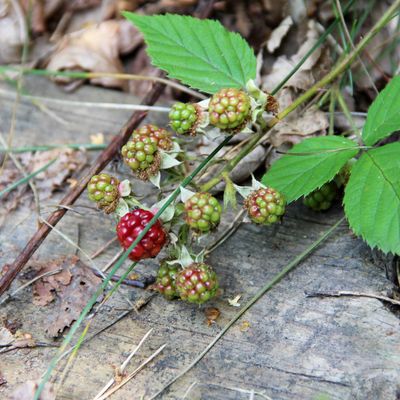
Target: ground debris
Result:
[71, 289]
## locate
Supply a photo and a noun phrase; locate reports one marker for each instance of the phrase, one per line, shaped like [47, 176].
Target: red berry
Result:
[129, 228]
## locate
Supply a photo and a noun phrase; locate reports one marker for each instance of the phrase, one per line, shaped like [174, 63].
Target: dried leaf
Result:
[212, 314]
[12, 31]
[278, 34]
[26, 391]
[235, 301]
[313, 122]
[96, 49]
[71, 290]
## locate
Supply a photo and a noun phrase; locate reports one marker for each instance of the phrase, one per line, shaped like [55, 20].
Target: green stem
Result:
[118, 264]
[340, 68]
[268, 286]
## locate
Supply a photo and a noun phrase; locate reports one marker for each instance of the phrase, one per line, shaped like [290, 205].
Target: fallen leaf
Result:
[70, 289]
[311, 123]
[12, 31]
[96, 49]
[278, 34]
[212, 314]
[234, 302]
[245, 325]
[26, 391]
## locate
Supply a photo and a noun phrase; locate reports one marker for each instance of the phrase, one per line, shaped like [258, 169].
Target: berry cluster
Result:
[203, 212]
[322, 198]
[196, 283]
[228, 110]
[265, 206]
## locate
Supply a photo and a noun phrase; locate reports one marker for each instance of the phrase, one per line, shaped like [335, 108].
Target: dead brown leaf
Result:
[212, 314]
[12, 31]
[26, 391]
[71, 290]
[96, 49]
[313, 122]
[278, 34]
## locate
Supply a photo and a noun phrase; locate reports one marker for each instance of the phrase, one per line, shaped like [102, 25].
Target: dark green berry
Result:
[229, 110]
[165, 283]
[184, 118]
[197, 283]
[203, 212]
[103, 190]
[265, 206]
[322, 198]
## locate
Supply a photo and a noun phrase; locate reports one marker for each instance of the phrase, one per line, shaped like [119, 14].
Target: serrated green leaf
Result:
[384, 114]
[372, 198]
[200, 53]
[308, 165]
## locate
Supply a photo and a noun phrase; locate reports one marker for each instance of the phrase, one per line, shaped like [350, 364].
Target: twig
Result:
[341, 293]
[112, 261]
[132, 374]
[139, 283]
[104, 158]
[123, 365]
[104, 247]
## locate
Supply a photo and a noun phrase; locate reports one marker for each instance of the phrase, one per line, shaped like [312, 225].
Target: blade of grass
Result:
[268, 286]
[93, 75]
[77, 146]
[26, 178]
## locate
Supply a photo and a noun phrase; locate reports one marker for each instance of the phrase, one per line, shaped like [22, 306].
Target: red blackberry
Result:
[129, 228]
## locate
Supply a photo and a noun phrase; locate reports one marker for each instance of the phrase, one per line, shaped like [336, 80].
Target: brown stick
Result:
[10, 271]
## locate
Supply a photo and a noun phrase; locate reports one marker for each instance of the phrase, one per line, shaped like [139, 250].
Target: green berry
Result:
[265, 206]
[322, 198]
[184, 118]
[229, 110]
[165, 283]
[103, 190]
[197, 283]
[203, 212]
[141, 155]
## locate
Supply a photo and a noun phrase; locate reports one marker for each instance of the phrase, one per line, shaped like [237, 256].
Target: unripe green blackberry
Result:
[229, 109]
[165, 283]
[184, 118]
[322, 198]
[203, 212]
[103, 189]
[141, 155]
[197, 283]
[159, 136]
[265, 206]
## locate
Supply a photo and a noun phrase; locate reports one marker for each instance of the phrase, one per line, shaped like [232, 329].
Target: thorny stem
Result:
[341, 67]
